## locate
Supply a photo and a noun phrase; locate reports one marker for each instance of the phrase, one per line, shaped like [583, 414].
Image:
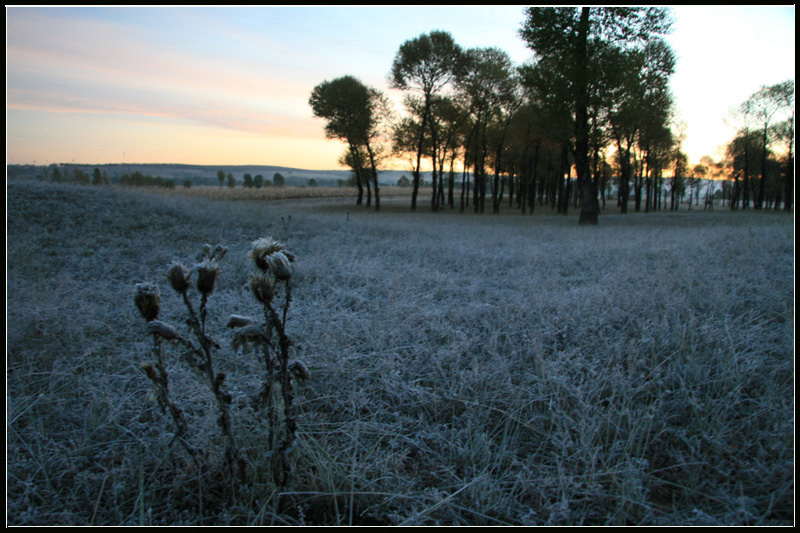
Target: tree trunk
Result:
[590, 207]
[789, 184]
[760, 198]
[420, 147]
[374, 174]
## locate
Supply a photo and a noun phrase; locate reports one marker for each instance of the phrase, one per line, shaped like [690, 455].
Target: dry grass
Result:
[274, 193]
[465, 369]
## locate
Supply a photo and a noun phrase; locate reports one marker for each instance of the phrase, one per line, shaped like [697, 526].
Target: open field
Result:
[279, 193]
[465, 370]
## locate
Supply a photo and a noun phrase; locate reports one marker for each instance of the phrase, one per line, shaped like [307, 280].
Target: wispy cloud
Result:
[113, 68]
[247, 72]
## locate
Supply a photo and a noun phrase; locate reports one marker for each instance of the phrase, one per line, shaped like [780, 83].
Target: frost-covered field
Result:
[465, 369]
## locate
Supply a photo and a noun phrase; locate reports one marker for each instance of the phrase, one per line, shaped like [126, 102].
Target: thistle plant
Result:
[148, 301]
[198, 351]
[271, 287]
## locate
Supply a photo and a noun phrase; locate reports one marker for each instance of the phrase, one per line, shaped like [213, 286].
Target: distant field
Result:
[465, 369]
[278, 193]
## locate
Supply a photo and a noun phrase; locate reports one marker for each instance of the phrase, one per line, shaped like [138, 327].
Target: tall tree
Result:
[425, 65]
[767, 102]
[742, 148]
[572, 39]
[784, 131]
[487, 81]
[549, 88]
[451, 116]
[353, 112]
[740, 155]
[354, 158]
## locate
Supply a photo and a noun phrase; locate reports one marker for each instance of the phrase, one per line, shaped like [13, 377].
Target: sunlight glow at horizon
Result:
[229, 86]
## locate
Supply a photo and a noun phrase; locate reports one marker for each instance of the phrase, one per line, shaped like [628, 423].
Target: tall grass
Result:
[466, 369]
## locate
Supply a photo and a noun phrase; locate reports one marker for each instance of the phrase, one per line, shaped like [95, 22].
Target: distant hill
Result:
[207, 174]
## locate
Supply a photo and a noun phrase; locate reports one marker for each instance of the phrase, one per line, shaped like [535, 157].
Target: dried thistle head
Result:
[162, 329]
[280, 265]
[219, 252]
[263, 287]
[207, 272]
[147, 300]
[178, 276]
[263, 248]
[236, 321]
[212, 252]
[247, 334]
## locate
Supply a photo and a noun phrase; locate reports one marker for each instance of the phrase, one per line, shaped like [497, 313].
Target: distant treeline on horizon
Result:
[201, 174]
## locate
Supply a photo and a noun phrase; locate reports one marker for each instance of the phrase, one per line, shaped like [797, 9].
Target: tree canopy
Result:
[591, 109]
[572, 41]
[352, 112]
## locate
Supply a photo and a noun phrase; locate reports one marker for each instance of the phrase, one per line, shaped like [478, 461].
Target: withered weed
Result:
[271, 287]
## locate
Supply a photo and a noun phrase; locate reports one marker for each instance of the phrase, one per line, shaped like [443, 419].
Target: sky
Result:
[230, 85]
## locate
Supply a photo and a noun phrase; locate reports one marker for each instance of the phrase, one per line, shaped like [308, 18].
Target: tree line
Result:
[592, 106]
[250, 181]
[761, 155]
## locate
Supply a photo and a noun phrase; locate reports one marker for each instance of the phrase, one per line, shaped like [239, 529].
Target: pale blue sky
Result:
[230, 85]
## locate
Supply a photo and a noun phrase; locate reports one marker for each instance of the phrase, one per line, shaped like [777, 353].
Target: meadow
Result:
[465, 369]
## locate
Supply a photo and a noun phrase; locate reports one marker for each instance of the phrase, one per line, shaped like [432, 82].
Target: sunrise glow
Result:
[231, 85]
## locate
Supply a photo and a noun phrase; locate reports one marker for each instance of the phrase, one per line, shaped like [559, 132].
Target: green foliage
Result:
[231, 181]
[248, 181]
[278, 180]
[258, 181]
[403, 182]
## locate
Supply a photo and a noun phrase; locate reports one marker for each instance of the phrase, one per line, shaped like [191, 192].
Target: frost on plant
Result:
[270, 283]
[272, 280]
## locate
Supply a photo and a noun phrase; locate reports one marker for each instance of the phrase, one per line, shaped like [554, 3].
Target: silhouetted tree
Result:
[425, 65]
[571, 39]
[488, 84]
[353, 113]
[766, 103]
